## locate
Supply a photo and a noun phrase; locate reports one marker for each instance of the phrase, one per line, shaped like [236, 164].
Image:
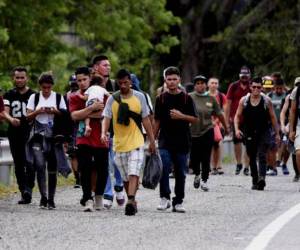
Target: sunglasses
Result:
[256, 87]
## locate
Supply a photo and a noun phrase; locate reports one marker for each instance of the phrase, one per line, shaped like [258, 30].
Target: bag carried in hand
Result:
[217, 133]
[152, 172]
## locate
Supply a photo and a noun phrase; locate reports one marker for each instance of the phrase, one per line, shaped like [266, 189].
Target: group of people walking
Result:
[109, 121]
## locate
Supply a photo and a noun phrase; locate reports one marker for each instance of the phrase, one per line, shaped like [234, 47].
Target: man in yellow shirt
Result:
[128, 111]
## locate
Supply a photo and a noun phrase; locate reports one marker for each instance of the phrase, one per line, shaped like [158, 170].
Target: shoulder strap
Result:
[36, 99]
[246, 100]
[147, 101]
[58, 99]
[117, 96]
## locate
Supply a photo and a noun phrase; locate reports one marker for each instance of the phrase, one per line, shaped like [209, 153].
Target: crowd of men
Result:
[105, 124]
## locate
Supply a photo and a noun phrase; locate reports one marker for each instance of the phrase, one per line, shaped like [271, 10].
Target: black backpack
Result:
[63, 125]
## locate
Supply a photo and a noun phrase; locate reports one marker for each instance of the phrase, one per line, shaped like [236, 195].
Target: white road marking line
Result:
[262, 240]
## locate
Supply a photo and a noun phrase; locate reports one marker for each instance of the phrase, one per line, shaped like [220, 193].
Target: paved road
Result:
[229, 216]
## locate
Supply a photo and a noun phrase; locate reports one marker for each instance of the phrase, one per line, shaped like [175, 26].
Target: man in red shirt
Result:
[235, 92]
[91, 150]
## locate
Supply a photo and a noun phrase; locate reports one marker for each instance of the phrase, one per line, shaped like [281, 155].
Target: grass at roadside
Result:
[5, 191]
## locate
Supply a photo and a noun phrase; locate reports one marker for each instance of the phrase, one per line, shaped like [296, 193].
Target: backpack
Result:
[63, 123]
[124, 113]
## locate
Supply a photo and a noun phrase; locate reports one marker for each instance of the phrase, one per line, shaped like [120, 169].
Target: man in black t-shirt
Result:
[174, 111]
[15, 101]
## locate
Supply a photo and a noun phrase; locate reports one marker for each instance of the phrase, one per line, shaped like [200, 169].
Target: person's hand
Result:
[292, 135]
[105, 137]
[15, 122]
[176, 114]
[51, 110]
[277, 138]
[97, 106]
[152, 147]
[239, 134]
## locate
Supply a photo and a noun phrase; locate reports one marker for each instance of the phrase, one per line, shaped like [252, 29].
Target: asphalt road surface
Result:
[229, 216]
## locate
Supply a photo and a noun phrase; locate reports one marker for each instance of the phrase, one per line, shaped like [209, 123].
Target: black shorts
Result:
[235, 139]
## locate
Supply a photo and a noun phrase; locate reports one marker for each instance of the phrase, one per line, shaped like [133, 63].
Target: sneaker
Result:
[261, 184]
[204, 186]
[98, 202]
[89, 206]
[26, 198]
[272, 172]
[197, 181]
[246, 171]
[43, 203]
[238, 169]
[178, 208]
[285, 169]
[130, 208]
[77, 186]
[51, 205]
[220, 171]
[296, 178]
[214, 171]
[107, 203]
[120, 198]
[164, 204]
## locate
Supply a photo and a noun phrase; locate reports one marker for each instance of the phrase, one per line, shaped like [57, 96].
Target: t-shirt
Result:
[206, 106]
[174, 134]
[127, 138]
[277, 103]
[235, 93]
[50, 102]
[94, 140]
[17, 103]
[95, 92]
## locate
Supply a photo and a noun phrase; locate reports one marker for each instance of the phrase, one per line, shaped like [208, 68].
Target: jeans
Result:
[25, 173]
[257, 147]
[43, 159]
[179, 162]
[114, 173]
[201, 152]
[88, 157]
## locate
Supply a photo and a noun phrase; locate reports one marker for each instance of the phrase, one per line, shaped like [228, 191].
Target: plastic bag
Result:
[152, 172]
[217, 133]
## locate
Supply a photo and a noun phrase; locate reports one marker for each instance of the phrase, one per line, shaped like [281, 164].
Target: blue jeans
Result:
[113, 172]
[179, 162]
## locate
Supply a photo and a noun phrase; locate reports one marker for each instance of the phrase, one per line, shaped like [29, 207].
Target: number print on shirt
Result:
[18, 109]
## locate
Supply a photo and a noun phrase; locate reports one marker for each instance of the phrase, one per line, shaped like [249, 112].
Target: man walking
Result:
[235, 92]
[174, 111]
[257, 115]
[15, 101]
[127, 109]
[91, 150]
[102, 68]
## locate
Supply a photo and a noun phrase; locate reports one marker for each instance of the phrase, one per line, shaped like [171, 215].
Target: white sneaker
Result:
[179, 208]
[164, 204]
[89, 206]
[107, 203]
[120, 197]
[98, 202]
[204, 186]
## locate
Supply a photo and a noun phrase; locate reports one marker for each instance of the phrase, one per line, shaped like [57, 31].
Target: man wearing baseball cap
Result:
[235, 92]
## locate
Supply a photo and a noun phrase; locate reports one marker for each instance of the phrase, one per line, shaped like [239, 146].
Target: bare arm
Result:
[79, 115]
[105, 126]
[283, 114]
[147, 125]
[177, 115]
[227, 110]
[237, 119]
[156, 128]
[292, 119]
[222, 120]
[273, 120]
